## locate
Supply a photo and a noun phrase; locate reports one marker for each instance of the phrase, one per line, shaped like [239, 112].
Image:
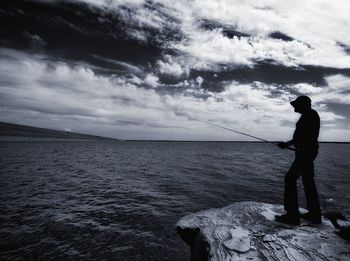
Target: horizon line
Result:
[252, 141]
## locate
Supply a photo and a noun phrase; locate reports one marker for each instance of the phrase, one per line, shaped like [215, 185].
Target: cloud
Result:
[151, 80]
[336, 91]
[308, 89]
[111, 4]
[170, 67]
[214, 48]
[199, 81]
[35, 40]
[315, 30]
[123, 65]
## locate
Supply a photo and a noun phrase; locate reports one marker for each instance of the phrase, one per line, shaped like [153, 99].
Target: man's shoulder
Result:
[313, 114]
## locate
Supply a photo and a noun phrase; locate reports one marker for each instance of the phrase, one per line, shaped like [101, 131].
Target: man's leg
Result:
[291, 197]
[310, 189]
[290, 189]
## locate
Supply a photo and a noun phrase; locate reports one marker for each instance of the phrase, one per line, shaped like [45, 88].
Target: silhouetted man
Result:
[306, 146]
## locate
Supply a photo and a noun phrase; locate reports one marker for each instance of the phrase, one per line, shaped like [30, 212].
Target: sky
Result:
[141, 69]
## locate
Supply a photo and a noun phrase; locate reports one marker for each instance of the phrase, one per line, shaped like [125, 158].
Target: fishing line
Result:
[242, 133]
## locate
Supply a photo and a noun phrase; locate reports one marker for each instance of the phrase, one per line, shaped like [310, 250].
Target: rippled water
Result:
[121, 200]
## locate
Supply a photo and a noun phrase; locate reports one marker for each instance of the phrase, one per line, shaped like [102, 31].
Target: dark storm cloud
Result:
[75, 30]
[281, 36]
[268, 73]
[227, 30]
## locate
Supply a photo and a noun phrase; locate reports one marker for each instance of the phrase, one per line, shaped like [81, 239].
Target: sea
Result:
[115, 200]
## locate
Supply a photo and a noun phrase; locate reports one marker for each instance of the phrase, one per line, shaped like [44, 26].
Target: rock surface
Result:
[247, 231]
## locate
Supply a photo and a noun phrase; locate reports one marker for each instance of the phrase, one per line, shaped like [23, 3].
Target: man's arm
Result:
[284, 145]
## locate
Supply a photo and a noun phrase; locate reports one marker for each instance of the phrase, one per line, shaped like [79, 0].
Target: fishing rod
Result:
[242, 133]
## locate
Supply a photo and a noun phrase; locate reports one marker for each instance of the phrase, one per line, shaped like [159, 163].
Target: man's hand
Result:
[283, 145]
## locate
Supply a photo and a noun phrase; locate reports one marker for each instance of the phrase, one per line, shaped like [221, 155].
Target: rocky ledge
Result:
[247, 231]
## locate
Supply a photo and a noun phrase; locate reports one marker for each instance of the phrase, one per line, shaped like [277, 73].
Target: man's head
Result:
[301, 104]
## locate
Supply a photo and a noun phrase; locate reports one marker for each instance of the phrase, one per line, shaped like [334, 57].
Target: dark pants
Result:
[303, 166]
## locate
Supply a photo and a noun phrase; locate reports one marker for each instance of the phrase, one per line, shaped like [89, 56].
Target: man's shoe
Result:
[316, 219]
[288, 219]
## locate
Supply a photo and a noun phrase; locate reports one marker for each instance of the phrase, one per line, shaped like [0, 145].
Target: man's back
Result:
[307, 130]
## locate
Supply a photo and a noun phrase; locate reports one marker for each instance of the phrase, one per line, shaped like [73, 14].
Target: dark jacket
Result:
[306, 132]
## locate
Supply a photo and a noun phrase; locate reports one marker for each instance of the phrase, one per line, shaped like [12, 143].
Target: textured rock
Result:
[247, 231]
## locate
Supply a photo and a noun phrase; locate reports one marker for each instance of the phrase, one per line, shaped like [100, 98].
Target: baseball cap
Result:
[301, 100]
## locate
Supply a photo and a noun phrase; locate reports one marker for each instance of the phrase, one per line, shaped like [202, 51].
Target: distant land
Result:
[17, 132]
[13, 132]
